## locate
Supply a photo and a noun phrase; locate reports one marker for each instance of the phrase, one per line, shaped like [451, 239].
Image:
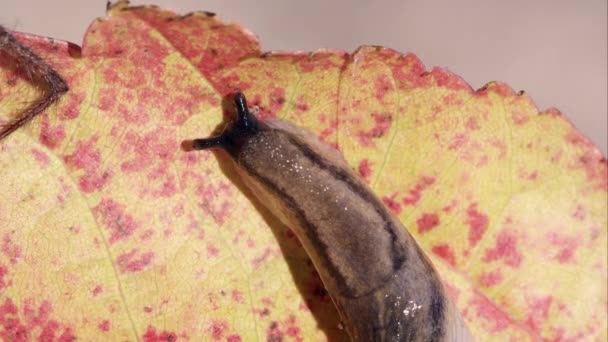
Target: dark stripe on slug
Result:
[397, 252]
[437, 311]
[301, 217]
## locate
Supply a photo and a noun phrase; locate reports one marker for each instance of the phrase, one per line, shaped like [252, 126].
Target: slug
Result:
[383, 285]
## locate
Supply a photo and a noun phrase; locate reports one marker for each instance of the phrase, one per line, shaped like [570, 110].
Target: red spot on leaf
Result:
[390, 203]
[520, 117]
[97, 290]
[489, 313]
[289, 327]
[505, 249]
[217, 328]
[446, 79]
[427, 222]
[565, 247]
[489, 279]
[445, 252]
[382, 85]
[233, 338]
[478, 224]
[87, 158]
[41, 158]
[10, 249]
[51, 136]
[151, 335]
[415, 193]
[212, 250]
[365, 169]
[382, 124]
[215, 200]
[3, 282]
[237, 296]
[104, 325]
[16, 327]
[128, 262]
[261, 259]
[458, 141]
[301, 104]
[472, 124]
[113, 217]
[326, 132]
[538, 312]
[72, 108]
[277, 99]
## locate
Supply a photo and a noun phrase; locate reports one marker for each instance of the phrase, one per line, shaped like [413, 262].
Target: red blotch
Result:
[112, 215]
[382, 85]
[489, 313]
[157, 146]
[233, 338]
[415, 193]
[72, 109]
[97, 290]
[449, 80]
[260, 260]
[565, 246]
[458, 141]
[88, 158]
[301, 104]
[520, 117]
[273, 333]
[538, 312]
[277, 99]
[104, 325]
[67, 336]
[10, 249]
[445, 252]
[3, 282]
[452, 100]
[107, 99]
[390, 203]
[365, 169]
[215, 200]
[489, 279]
[50, 136]
[289, 327]
[41, 158]
[217, 329]
[382, 124]
[326, 132]
[427, 222]
[478, 224]
[14, 327]
[505, 249]
[212, 250]
[127, 262]
[151, 335]
[237, 296]
[472, 124]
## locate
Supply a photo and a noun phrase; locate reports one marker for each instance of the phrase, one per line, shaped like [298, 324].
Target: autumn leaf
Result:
[109, 230]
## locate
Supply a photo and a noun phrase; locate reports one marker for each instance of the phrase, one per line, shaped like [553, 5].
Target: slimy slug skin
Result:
[383, 285]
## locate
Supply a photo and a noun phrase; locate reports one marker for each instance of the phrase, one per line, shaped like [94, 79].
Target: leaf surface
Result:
[108, 228]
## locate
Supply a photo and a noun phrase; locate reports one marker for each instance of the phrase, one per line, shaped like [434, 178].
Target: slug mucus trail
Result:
[383, 285]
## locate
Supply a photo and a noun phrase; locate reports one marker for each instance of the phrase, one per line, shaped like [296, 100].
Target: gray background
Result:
[555, 50]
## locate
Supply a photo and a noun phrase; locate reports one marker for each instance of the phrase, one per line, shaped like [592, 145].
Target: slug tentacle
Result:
[383, 285]
[236, 133]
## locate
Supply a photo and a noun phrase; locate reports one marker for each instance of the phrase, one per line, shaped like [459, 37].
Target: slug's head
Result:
[236, 133]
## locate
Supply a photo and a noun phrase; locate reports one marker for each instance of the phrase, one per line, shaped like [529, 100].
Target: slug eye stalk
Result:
[246, 124]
